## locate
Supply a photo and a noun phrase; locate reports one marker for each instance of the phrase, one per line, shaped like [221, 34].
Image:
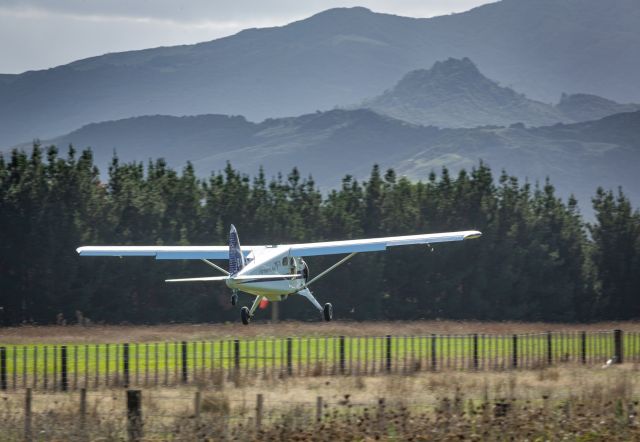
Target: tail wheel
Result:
[327, 311]
[245, 315]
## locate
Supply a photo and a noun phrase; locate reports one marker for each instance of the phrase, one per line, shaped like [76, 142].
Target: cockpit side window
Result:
[284, 261]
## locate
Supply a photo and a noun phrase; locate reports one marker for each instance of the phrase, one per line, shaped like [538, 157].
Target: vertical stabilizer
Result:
[236, 258]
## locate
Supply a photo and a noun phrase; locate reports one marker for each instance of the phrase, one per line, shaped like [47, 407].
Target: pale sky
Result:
[38, 34]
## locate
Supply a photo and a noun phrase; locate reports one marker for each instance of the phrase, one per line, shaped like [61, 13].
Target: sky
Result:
[39, 34]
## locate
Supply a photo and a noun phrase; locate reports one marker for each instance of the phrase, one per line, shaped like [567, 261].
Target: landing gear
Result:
[234, 298]
[327, 312]
[245, 315]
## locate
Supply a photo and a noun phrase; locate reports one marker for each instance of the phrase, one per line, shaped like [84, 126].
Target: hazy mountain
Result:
[340, 56]
[453, 93]
[584, 107]
[577, 157]
[333, 142]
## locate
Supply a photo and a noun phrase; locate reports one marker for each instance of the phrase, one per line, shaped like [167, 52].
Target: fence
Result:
[63, 367]
[137, 413]
[185, 414]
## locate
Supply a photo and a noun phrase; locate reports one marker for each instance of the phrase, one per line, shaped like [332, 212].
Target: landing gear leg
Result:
[246, 314]
[327, 310]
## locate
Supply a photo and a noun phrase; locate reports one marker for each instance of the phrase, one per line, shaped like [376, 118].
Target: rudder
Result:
[236, 258]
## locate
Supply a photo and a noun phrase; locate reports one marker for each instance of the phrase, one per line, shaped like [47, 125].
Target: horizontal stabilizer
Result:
[202, 279]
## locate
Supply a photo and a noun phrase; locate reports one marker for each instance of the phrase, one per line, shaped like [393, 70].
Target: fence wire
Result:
[73, 367]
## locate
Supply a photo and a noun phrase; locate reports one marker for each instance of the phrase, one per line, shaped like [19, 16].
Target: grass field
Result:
[97, 334]
[567, 400]
[559, 403]
[95, 355]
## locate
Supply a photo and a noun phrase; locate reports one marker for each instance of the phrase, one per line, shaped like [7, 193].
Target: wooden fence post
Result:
[45, 371]
[185, 363]
[125, 364]
[75, 367]
[236, 354]
[289, 356]
[64, 379]
[15, 366]
[197, 404]
[83, 410]
[24, 366]
[342, 358]
[34, 383]
[434, 360]
[55, 367]
[319, 406]
[134, 415]
[381, 414]
[259, 408]
[107, 365]
[388, 355]
[475, 351]
[617, 343]
[514, 354]
[549, 348]
[97, 358]
[27, 415]
[3, 368]
[583, 347]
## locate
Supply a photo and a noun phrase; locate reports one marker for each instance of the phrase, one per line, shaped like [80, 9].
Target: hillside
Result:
[336, 57]
[585, 107]
[577, 157]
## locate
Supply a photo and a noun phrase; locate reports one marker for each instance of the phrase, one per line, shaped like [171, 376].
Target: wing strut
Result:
[342, 261]
[215, 266]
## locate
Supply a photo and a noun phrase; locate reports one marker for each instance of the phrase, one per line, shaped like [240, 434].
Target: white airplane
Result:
[272, 272]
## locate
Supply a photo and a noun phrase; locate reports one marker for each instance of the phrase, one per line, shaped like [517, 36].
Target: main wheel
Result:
[245, 315]
[328, 312]
[234, 298]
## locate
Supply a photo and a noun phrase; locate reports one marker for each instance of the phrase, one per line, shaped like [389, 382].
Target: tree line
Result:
[537, 260]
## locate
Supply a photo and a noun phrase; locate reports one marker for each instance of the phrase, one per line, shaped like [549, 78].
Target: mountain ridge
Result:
[320, 62]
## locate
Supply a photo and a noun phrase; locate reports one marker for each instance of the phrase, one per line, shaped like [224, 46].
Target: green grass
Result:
[161, 362]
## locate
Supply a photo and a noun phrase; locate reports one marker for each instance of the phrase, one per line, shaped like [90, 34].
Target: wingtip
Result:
[473, 234]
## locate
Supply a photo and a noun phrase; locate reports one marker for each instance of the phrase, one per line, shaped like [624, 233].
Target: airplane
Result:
[272, 272]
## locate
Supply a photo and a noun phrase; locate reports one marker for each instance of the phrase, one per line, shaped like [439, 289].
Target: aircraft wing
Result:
[162, 252]
[376, 244]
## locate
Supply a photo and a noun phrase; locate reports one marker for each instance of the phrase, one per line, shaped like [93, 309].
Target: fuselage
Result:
[288, 273]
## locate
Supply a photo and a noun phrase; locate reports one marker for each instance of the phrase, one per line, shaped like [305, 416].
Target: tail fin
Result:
[236, 258]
